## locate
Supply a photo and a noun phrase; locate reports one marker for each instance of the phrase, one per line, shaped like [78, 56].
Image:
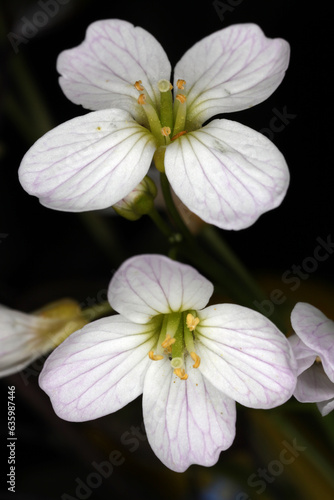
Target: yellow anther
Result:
[318, 359]
[154, 357]
[196, 358]
[141, 99]
[176, 136]
[180, 372]
[180, 84]
[166, 131]
[192, 322]
[181, 97]
[168, 342]
[139, 86]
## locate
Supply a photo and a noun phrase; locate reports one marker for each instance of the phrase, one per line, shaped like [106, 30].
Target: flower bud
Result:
[139, 202]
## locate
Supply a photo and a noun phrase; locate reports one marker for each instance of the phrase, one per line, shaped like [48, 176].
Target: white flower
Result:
[191, 362]
[26, 337]
[224, 172]
[313, 346]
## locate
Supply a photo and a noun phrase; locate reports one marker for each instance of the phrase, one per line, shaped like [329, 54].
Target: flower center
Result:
[167, 119]
[176, 340]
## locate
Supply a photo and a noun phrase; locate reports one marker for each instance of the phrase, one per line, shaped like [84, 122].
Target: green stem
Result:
[217, 244]
[160, 223]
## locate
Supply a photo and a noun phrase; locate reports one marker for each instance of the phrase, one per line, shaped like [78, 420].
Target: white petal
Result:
[317, 333]
[230, 70]
[98, 369]
[88, 163]
[101, 72]
[245, 356]
[313, 386]
[227, 173]
[186, 421]
[20, 342]
[147, 285]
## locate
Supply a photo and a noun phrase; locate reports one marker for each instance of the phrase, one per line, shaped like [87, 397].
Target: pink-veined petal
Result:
[101, 72]
[148, 285]
[314, 386]
[230, 70]
[244, 355]
[98, 369]
[317, 333]
[227, 174]
[89, 162]
[186, 421]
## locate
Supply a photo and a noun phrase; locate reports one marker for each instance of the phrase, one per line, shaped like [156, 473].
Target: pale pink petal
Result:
[304, 355]
[148, 285]
[313, 385]
[98, 369]
[186, 421]
[89, 162]
[101, 72]
[326, 407]
[245, 356]
[317, 333]
[230, 70]
[227, 173]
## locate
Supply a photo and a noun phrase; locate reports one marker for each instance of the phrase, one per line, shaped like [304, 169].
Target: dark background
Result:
[46, 255]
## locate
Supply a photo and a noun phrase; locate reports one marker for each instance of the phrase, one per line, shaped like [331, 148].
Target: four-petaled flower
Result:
[224, 172]
[191, 362]
[313, 346]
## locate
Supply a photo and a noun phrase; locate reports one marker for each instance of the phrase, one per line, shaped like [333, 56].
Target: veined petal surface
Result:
[101, 72]
[98, 369]
[187, 422]
[230, 70]
[89, 162]
[317, 333]
[227, 174]
[245, 356]
[148, 285]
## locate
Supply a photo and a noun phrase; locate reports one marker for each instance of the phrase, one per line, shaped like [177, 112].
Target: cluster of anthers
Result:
[180, 338]
[167, 120]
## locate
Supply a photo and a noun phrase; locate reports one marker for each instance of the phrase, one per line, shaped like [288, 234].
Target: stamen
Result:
[168, 342]
[180, 372]
[181, 97]
[166, 131]
[318, 359]
[176, 136]
[154, 357]
[180, 84]
[141, 99]
[196, 358]
[191, 321]
[139, 86]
